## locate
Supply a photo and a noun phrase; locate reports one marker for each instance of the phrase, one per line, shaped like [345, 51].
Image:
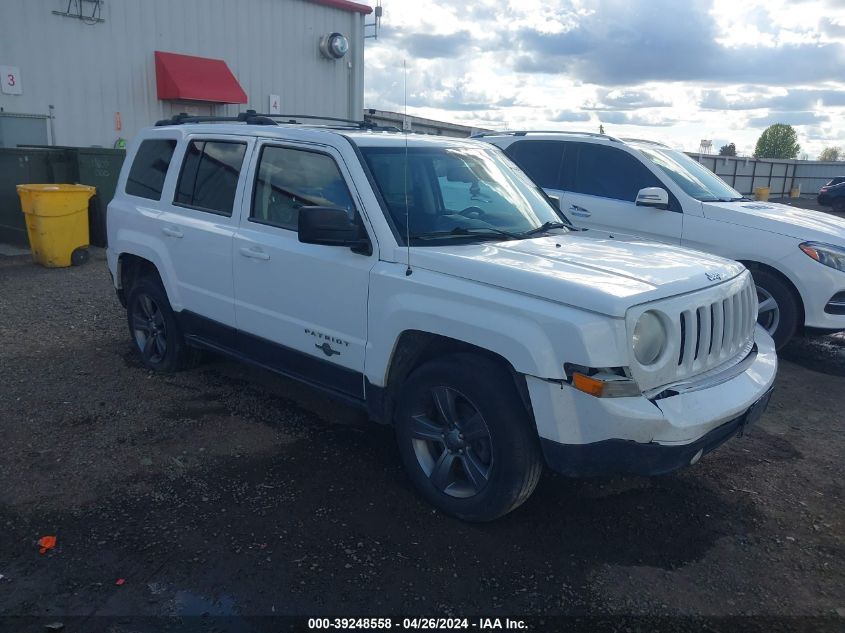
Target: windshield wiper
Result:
[545, 226]
[461, 231]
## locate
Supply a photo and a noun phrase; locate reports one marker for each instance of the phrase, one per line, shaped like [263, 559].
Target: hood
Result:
[586, 269]
[802, 224]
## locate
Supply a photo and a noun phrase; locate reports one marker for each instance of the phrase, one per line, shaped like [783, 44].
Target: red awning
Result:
[346, 5]
[189, 78]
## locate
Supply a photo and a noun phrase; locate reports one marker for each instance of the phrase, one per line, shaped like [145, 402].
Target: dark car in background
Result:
[833, 194]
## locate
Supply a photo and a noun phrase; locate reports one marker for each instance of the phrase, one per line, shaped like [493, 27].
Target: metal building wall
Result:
[89, 72]
[780, 175]
[420, 124]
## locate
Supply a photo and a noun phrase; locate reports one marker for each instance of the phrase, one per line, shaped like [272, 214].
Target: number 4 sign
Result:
[275, 104]
[10, 80]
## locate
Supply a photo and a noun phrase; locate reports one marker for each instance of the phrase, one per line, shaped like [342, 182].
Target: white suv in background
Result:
[797, 257]
[430, 283]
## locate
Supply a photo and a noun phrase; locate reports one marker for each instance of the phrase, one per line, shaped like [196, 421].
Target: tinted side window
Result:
[610, 173]
[146, 177]
[289, 179]
[209, 176]
[539, 159]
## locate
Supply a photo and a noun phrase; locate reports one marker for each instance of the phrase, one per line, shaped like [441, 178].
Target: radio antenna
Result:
[408, 270]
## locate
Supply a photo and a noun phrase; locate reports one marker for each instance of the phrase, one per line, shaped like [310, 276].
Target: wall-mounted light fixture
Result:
[334, 45]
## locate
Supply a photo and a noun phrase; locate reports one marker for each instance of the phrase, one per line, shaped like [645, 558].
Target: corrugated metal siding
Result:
[90, 72]
[746, 174]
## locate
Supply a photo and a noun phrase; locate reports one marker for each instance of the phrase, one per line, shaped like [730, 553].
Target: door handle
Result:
[171, 232]
[581, 212]
[254, 253]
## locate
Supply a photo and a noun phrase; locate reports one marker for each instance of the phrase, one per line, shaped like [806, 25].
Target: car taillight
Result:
[823, 189]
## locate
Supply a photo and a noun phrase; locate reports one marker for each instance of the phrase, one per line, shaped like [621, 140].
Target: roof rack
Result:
[526, 132]
[292, 118]
[643, 140]
[251, 117]
[184, 117]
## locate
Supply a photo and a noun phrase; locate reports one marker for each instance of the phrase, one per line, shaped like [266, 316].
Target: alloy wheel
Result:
[768, 312]
[149, 329]
[452, 442]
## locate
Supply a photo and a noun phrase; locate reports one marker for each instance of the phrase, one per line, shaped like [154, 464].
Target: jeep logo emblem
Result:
[714, 276]
[327, 349]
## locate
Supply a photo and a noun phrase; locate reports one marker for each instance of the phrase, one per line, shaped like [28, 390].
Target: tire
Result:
[503, 452]
[838, 205]
[782, 320]
[154, 330]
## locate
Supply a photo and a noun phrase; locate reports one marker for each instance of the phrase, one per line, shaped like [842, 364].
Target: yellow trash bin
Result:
[57, 222]
[761, 193]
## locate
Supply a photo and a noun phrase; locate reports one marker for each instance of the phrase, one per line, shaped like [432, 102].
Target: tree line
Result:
[780, 141]
[777, 141]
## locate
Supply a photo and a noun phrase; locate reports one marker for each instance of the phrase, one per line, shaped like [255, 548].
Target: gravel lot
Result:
[229, 491]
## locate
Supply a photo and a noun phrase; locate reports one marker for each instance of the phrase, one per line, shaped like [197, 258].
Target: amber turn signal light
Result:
[812, 252]
[605, 388]
[588, 385]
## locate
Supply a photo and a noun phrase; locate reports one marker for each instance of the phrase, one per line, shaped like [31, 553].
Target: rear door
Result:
[301, 308]
[197, 225]
[542, 161]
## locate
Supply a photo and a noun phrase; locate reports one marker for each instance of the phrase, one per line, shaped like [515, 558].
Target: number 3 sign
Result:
[10, 80]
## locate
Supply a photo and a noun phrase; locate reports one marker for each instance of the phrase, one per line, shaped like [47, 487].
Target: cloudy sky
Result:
[675, 71]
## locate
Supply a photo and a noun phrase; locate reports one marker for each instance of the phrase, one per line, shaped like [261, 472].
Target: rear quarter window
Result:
[149, 168]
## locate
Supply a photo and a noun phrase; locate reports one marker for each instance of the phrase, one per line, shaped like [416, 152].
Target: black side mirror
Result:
[331, 227]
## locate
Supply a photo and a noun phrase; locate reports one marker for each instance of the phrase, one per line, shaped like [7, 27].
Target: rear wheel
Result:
[79, 256]
[154, 329]
[778, 309]
[839, 205]
[465, 438]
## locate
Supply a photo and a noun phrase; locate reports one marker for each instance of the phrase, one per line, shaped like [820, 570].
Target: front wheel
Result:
[778, 310]
[465, 438]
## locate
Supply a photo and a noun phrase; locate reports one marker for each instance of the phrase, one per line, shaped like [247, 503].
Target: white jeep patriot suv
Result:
[430, 281]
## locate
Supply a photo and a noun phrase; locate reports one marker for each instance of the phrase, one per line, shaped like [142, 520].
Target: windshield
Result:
[458, 192]
[694, 178]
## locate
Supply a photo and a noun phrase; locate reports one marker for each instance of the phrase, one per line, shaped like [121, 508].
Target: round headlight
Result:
[649, 338]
